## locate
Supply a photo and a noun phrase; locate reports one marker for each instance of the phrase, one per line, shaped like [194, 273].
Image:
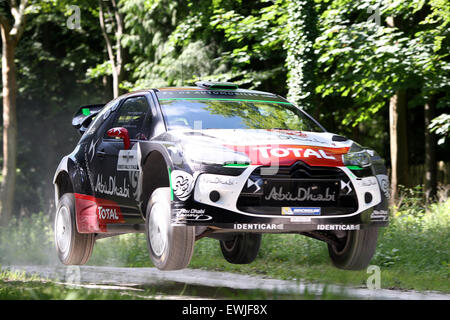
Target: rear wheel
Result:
[356, 249]
[170, 247]
[73, 248]
[242, 248]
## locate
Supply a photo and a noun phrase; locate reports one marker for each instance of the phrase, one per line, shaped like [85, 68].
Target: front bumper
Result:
[226, 214]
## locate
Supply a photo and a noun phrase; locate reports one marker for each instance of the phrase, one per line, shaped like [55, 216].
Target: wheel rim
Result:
[63, 230]
[342, 248]
[158, 228]
[230, 244]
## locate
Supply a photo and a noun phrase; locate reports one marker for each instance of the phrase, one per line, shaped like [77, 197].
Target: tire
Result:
[242, 249]
[72, 247]
[356, 250]
[170, 248]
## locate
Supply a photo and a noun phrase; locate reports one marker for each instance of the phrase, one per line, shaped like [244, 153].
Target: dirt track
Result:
[135, 277]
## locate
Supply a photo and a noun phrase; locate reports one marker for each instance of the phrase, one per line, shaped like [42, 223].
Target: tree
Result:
[301, 59]
[114, 18]
[399, 65]
[398, 136]
[430, 179]
[12, 24]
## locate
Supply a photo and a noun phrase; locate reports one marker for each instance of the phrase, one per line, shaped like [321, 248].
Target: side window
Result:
[132, 116]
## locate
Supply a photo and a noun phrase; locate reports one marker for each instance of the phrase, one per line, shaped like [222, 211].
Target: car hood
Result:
[270, 147]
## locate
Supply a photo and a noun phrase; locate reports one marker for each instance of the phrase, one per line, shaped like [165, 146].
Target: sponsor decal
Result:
[182, 184]
[94, 214]
[303, 194]
[367, 182]
[338, 227]
[383, 180]
[127, 160]
[258, 184]
[290, 211]
[379, 215]
[258, 226]
[106, 114]
[286, 155]
[133, 177]
[300, 219]
[107, 213]
[290, 132]
[91, 149]
[208, 179]
[267, 152]
[191, 215]
[346, 185]
[110, 188]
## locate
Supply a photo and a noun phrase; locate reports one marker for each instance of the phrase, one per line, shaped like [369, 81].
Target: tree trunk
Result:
[115, 55]
[398, 143]
[430, 179]
[9, 129]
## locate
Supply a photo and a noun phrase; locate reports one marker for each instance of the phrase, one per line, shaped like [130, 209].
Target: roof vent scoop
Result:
[339, 138]
[217, 85]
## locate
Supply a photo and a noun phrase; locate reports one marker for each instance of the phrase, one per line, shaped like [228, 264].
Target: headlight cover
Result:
[360, 159]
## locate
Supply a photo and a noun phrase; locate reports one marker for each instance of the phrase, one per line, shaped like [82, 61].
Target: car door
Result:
[115, 169]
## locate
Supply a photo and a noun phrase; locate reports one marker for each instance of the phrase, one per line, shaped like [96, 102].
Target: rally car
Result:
[214, 160]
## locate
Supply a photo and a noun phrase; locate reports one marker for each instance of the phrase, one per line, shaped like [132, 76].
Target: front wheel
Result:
[170, 247]
[242, 248]
[356, 249]
[73, 248]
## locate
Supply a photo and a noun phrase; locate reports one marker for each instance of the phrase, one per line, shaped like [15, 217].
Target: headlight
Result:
[207, 154]
[360, 159]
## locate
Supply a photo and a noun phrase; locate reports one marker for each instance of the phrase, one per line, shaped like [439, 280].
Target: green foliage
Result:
[369, 62]
[27, 241]
[128, 250]
[441, 126]
[301, 58]
[18, 286]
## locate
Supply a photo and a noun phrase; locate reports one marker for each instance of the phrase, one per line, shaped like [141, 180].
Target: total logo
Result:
[267, 152]
[286, 155]
[108, 213]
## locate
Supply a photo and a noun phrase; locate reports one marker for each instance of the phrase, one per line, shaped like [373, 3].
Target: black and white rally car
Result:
[179, 164]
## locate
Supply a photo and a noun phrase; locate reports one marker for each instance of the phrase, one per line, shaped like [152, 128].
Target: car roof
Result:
[168, 91]
[204, 89]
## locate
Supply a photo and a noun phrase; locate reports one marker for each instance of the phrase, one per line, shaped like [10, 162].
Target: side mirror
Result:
[120, 133]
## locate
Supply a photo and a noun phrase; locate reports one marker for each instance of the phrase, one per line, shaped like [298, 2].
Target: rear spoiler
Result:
[84, 116]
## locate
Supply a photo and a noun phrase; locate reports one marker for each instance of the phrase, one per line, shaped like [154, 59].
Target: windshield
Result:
[234, 114]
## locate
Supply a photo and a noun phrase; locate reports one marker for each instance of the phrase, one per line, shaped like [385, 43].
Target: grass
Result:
[18, 286]
[413, 252]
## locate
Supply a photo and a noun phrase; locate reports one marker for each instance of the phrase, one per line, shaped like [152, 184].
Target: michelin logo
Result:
[288, 211]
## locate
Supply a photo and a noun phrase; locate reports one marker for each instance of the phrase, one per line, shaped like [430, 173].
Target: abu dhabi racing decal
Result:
[379, 215]
[182, 184]
[191, 215]
[109, 187]
[94, 214]
[303, 194]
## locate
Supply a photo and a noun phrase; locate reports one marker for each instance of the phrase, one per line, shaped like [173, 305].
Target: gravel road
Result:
[135, 277]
